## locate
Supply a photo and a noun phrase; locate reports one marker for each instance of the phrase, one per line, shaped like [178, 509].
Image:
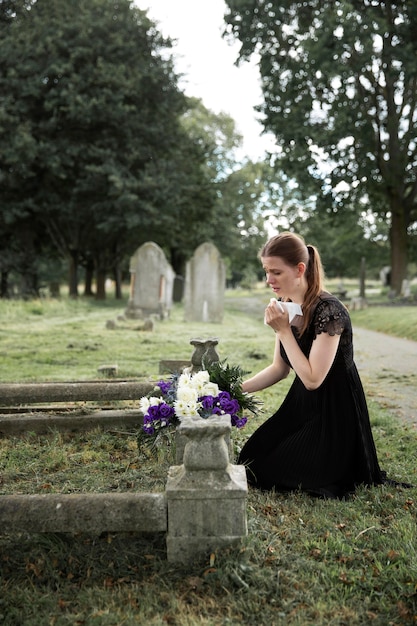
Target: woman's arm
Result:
[312, 370]
[270, 375]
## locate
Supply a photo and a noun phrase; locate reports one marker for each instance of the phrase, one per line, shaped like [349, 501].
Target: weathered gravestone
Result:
[205, 281]
[405, 288]
[151, 283]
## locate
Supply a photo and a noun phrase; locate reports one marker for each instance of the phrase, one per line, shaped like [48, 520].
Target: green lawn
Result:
[305, 561]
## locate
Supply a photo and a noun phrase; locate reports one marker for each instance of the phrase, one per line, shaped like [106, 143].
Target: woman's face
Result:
[282, 278]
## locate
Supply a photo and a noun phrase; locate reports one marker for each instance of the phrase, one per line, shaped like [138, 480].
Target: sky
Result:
[207, 61]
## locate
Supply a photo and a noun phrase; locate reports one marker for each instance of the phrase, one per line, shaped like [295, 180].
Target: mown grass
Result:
[399, 321]
[305, 561]
[66, 340]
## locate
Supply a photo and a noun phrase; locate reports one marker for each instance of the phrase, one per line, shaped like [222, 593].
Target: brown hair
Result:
[293, 250]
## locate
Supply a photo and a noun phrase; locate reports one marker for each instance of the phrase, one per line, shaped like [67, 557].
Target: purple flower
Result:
[207, 402]
[239, 422]
[166, 411]
[227, 403]
[161, 413]
[165, 386]
[153, 411]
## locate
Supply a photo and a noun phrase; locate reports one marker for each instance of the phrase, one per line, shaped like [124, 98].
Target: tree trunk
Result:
[117, 283]
[29, 285]
[362, 280]
[73, 274]
[101, 284]
[399, 243]
[88, 282]
[4, 284]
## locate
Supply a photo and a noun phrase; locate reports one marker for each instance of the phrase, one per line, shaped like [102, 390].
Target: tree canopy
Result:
[339, 79]
[94, 153]
[101, 151]
[237, 224]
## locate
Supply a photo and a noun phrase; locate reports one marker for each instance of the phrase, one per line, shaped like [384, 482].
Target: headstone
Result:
[357, 304]
[151, 283]
[405, 288]
[205, 281]
[108, 370]
[385, 276]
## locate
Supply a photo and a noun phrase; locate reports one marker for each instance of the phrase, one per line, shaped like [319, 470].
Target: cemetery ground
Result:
[304, 561]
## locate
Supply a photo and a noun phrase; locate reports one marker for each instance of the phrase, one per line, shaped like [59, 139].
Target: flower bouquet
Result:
[215, 390]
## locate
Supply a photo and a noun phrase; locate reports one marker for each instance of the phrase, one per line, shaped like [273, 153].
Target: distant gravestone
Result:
[205, 281]
[385, 276]
[405, 288]
[151, 283]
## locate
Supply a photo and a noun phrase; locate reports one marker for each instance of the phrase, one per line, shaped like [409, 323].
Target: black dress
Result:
[319, 441]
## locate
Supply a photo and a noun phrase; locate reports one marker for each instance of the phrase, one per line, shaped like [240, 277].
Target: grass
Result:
[62, 341]
[392, 320]
[305, 561]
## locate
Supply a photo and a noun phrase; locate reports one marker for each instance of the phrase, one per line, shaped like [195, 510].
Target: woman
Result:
[320, 439]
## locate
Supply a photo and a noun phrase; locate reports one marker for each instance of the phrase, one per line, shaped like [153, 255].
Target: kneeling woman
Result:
[320, 438]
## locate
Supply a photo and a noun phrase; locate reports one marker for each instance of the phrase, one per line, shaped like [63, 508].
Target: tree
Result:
[89, 124]
[339, 79]
[343, 237]
[236, 225]
[244, 198]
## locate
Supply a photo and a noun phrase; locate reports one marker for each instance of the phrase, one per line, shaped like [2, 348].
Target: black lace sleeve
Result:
[330, 317]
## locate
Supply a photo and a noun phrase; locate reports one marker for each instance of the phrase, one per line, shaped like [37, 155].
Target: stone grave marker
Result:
[151, 283]
[205, 281]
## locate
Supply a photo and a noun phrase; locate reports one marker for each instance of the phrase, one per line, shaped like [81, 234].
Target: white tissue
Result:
[292, 307]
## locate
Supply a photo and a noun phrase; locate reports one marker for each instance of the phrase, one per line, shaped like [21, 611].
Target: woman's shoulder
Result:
[325, 298]
[326, 295]
[330, 314]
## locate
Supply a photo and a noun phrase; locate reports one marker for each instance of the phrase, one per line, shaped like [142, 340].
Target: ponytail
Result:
[315, 279]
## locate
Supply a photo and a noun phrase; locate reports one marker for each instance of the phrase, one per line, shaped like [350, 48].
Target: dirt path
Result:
[388, 369]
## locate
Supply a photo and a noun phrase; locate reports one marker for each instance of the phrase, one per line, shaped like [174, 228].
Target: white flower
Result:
[186, 409]
[187, 394]
[210, 389]
[202, 375]
[199, 380]
[153, 401]
[184, 380]
[144, 404]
